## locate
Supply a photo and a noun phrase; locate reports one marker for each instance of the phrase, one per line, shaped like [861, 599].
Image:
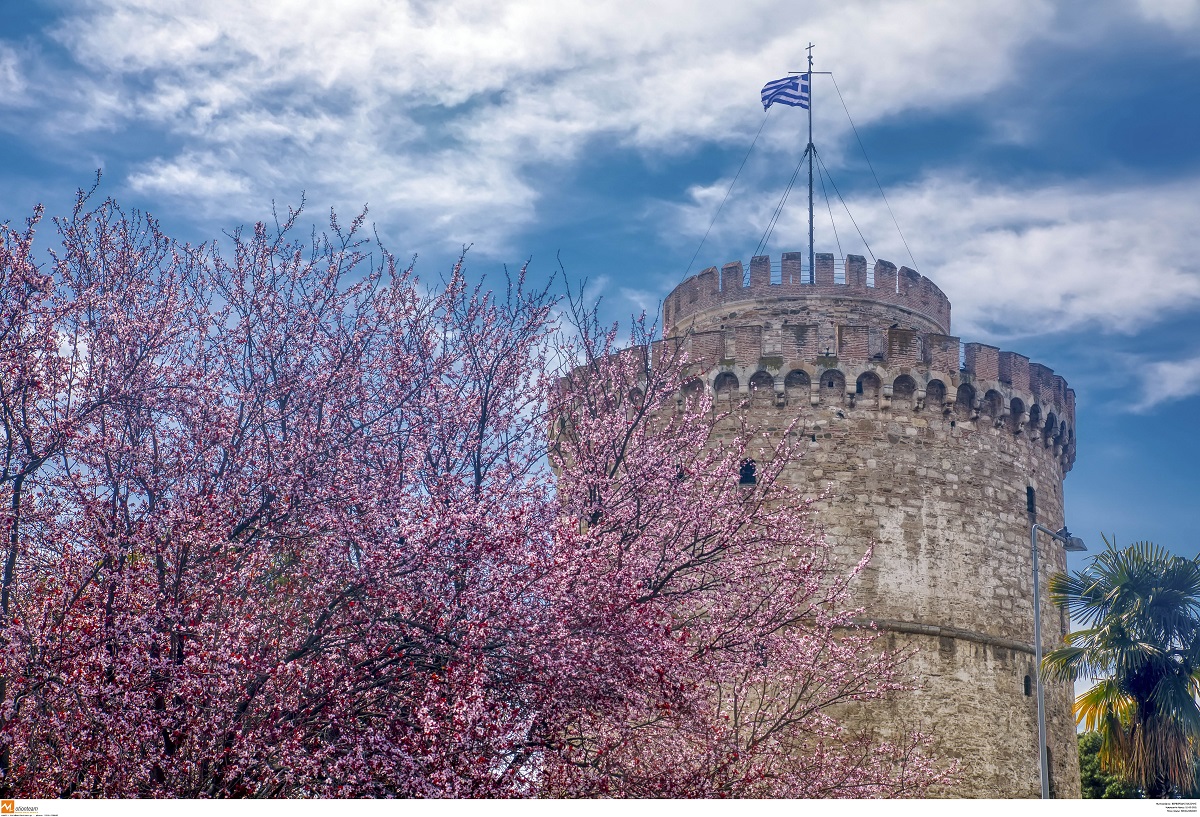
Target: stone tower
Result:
[929, 449]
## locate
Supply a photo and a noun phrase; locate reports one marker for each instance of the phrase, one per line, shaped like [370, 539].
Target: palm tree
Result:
[1142, 609]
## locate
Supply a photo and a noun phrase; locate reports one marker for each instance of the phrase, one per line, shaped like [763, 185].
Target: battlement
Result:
[911, 439]
[832, 278]
[895, 369]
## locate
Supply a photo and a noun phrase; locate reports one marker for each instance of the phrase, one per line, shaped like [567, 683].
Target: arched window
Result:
[833, 387]
[935, 395]
[1035, 416]
[797, 385]
[762, 386]
[692, 392]
[867, 387]
[993, 403]
[903, 388]
[726, 383]
[797, 381]
[1051, 429]
[1016, 414]
[965, 401]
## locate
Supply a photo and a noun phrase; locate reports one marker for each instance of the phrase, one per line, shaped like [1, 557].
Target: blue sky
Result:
[1042, 159]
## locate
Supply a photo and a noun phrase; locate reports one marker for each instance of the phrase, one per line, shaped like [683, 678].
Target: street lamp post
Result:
[1071, 543]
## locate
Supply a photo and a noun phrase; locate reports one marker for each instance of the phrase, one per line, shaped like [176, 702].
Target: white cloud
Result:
[1013, 260]
[12, 83]
[1177, 14]
[442, 115]
[437, 113]
[192, 174]
[1168, 380]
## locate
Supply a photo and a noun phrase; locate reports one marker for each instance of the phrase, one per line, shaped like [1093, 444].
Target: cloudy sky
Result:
[1041, 158]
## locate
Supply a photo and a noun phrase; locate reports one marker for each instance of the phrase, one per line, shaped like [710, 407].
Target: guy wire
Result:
[727, 192]
[873, 174]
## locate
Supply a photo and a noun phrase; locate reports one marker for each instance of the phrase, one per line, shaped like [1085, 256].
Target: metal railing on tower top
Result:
[802, 273]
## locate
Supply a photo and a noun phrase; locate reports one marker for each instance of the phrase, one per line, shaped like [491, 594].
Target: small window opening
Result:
[953, 424]
[1028, 686]
[858, 387]
[1031, 501]
[814, 438]
[746, 474]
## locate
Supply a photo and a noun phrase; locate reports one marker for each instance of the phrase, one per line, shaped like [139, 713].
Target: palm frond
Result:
[1141, 605]
[1103, 702]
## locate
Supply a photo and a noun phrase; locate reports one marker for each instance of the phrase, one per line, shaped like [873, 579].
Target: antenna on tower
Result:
[810, 150]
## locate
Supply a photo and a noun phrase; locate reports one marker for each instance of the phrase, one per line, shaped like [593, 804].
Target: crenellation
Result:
[932, 301]
[926, 306]
[1014, 370]
[760, 273]
[1041, 382]
[733, 278]
[885, 276]
[856, 272]
[982, 361]
[850, 325]
[943, 352]
[824, 269]
[708, 290]
[1059, 389]
[791, 265]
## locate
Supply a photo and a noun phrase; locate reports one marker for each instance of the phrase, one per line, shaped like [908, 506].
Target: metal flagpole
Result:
[812, 269]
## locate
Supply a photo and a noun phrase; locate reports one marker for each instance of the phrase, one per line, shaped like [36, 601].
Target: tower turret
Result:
[927, 448]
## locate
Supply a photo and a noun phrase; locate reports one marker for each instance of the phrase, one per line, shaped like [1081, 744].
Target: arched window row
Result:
[964, 402]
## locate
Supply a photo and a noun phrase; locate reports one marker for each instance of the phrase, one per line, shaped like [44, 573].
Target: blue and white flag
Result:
[791, 90]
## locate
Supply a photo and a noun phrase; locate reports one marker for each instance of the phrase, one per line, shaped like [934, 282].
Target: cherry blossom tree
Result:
[282, 520]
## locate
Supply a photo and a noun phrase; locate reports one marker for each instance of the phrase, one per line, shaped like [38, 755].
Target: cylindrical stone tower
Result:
[930, 451]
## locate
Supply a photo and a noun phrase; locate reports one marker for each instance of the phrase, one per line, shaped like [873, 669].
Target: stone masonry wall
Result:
[929, 461]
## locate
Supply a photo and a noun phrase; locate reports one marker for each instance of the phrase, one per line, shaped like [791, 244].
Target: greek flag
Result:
[791, 90]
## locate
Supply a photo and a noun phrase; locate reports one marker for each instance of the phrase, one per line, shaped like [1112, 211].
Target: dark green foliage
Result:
[1097, 783]
[1140, 606]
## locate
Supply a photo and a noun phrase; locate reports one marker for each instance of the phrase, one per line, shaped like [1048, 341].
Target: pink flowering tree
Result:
[280, 520]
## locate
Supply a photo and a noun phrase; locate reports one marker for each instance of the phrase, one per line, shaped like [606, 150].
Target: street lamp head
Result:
[1071, 543]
